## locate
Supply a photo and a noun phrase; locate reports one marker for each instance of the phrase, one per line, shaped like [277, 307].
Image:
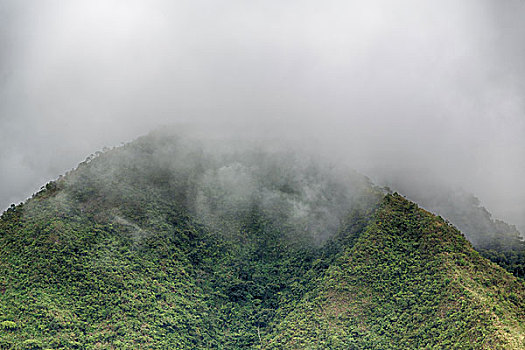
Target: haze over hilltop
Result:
[429, 92]
[172, 241]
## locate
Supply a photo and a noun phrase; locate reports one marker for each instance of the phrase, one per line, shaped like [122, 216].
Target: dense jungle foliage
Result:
[410, 281]
[494, 239]
[168, 243]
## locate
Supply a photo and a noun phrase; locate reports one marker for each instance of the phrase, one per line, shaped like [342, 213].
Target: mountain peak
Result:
[165, 243]
[410, 281]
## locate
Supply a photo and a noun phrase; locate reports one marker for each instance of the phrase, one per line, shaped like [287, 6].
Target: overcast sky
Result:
[417, 90]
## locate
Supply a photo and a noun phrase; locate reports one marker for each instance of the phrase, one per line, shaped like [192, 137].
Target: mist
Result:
[419, 94]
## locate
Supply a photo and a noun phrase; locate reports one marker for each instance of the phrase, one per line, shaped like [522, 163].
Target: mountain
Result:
[465, 211]
[410, 281]
[175, 242]
[494, 239]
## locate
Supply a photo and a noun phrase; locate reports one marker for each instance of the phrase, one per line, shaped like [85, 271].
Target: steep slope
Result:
[169, 242]
[68, 281]
[411, 281]
[494, 239]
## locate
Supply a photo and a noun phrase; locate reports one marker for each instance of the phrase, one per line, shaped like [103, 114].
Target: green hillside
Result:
[494, 239]
[410, 281]
[173, 243]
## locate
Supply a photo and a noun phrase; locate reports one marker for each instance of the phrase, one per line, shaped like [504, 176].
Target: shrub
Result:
[32, 344]
[8, 325]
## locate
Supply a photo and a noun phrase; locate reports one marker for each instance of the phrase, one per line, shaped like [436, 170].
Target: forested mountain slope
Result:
[493, 238]
[168, 242]
[411, 281]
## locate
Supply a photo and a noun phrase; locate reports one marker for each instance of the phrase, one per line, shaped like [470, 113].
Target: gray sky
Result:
[423, 91]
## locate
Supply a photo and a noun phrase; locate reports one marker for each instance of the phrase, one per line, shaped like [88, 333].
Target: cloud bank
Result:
[410, 92]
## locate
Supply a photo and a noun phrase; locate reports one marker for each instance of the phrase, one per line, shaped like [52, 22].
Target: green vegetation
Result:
[512, 260]
[411, 281]
[494, 239]
[168, 244]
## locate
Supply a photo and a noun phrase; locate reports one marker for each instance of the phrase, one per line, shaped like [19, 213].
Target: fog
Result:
[410, 93]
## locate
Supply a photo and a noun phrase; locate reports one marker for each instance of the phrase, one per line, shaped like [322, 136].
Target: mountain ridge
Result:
[169, 243]
[341, 302]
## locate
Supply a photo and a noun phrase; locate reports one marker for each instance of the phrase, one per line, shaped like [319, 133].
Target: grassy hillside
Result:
[170, 243]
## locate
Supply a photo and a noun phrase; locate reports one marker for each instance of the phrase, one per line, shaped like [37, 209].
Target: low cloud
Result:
[406, 92]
